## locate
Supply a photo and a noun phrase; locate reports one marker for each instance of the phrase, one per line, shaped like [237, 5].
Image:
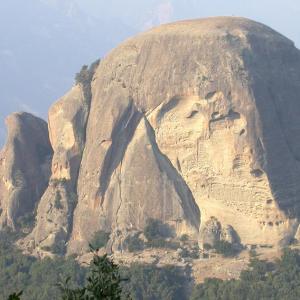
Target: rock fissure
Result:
[120, 138]
[185, 195]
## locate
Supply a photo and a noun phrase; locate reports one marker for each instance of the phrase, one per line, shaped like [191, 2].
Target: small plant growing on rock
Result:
[184, 238]
[207, 247]
[57, 201]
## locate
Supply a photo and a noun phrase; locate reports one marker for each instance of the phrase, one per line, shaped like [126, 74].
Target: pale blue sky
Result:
[283, 16]
[43, 43]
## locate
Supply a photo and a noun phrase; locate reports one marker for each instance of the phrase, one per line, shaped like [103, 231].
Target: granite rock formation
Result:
[24, 167]
[189, 122]
[67, 122]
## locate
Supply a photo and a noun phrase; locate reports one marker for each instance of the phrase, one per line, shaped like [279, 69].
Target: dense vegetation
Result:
[153, 283]
[103, 282]
[263, 280]
[156, 229]
[36, 278]
[225, 248]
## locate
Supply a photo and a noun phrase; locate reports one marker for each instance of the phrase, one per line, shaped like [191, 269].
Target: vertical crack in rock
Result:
[121, 136]
[120, 194]
[113, 240]
[88, 100]
[190, 208]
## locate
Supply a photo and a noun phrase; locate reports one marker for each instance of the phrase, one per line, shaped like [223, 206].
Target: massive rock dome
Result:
[189, 122]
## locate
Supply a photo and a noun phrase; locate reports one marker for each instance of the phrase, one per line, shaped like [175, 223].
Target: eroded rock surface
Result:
[67, 122]
[24, 167]
[222, 119]
[188, 121]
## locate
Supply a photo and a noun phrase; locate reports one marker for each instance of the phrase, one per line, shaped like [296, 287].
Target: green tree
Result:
[103, 282]
[85, 77]
[15, 296]
[150, 282]
[225, 248]
[156, 229]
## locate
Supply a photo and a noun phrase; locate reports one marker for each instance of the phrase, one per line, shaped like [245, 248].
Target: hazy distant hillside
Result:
[42, 45]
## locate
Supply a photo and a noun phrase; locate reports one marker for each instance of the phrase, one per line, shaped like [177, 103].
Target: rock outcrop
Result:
[212, 232]
[67, 122]
[219, 99]
[24, 167]
[188, 121]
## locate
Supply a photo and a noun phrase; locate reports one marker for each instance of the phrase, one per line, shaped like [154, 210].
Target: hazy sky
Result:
[43, 43]
[281, 15]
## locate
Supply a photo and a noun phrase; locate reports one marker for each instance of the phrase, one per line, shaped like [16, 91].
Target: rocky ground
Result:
[214, 266]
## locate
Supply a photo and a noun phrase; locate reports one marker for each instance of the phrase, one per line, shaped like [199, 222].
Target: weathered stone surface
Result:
[24, 167]
[210, 233]
[195, 117]
[67, 122]
[229, 235]
[162, 194]
[220, 96]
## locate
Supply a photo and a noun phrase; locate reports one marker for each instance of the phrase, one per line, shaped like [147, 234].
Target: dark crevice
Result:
[257, 173]
[210, 95]
[242, 132]
[168, 106]
[192, 114]
[232, 115]
[121, 136]
[84, 78]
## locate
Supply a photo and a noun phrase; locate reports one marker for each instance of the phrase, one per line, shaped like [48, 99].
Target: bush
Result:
[225, 248]
[27, 220]
[134, 243]
[184, 238]
[99, 239]
[57, 201]
[85, 77]
[103, 282]
[207, 247]
[156, 229]
[58, 182]
[193, 253]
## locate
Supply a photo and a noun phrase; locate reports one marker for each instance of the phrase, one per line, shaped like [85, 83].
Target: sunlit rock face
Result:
[218, 100]
[189, 122]
[67, 121]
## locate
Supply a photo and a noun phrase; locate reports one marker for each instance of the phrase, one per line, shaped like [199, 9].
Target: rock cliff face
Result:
[189, 122]
[24, 167]
[67, 122]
